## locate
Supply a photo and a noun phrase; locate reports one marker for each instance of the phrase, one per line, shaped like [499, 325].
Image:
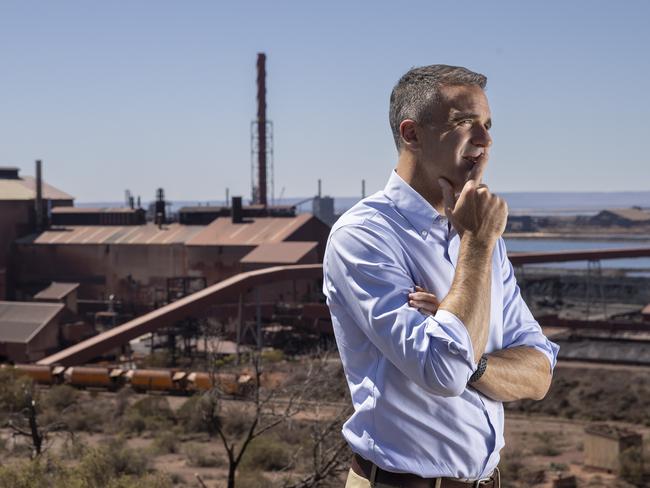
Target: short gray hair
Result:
[415, 94]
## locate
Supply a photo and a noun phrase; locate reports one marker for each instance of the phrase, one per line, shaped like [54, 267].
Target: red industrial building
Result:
[20, 214]
[28, 330]
[134, 263]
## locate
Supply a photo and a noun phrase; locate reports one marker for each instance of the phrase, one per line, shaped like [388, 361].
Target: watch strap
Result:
[482, 365]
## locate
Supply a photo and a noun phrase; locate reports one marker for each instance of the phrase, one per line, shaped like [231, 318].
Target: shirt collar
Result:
[413, 207]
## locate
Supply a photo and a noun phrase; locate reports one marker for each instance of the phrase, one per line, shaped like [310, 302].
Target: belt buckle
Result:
[495, 476]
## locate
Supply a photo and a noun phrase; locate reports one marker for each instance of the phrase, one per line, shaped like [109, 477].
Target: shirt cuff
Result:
[539, 342]
[448, 328]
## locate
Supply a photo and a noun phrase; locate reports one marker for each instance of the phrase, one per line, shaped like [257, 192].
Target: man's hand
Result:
[425, 302]
[477, 211]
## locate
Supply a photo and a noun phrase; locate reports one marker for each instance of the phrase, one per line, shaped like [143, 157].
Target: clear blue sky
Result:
[144, 94]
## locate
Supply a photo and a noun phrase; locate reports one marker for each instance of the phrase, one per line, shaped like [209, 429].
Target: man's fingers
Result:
[424, 307]
[424, 297]
[477, 172]
[447, 195]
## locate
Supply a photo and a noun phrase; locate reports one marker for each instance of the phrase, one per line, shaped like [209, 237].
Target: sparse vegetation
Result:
[183, 436]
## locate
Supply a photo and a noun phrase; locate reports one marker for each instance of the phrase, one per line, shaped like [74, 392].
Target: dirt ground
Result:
[543, 439]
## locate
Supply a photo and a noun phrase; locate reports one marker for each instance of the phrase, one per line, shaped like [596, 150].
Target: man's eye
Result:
[466, 122]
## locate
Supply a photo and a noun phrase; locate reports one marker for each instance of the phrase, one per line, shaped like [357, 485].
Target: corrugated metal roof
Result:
[91, 210]
[251, 232]
[24, 188]
[279, 252]
[130, 234]
[56, 291]
[202, 209]
[20, 321]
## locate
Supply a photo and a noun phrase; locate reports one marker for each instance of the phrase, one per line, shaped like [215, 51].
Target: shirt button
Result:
[424, 233]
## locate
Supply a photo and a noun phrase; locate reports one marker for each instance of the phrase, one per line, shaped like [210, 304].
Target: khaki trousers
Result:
[356, 481]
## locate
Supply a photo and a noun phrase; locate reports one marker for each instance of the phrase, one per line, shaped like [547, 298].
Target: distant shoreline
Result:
[577, 237]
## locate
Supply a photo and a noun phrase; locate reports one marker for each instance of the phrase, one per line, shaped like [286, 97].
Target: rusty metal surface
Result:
[20, 321]
[251, 232]
[287, 252]
[149, 234]
[93, 210]
[518, 258]
[191, 305]
[56, 291]
[24, 188]
[261, 129]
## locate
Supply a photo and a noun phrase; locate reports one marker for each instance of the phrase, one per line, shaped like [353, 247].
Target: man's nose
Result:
[481, 137]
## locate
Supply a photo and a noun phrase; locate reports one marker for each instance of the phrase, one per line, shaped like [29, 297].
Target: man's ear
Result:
[409, 135]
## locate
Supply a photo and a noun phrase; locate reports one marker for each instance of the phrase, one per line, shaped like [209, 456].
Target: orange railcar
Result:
[157, 380]
[43, 375]
[93, 377]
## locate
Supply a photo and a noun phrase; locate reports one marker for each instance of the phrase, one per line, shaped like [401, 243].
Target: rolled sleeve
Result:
[520, 327]
[364, 280]
[452, 353]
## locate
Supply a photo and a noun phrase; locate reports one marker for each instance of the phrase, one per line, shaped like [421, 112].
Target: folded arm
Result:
[524, 368]
[514, 374]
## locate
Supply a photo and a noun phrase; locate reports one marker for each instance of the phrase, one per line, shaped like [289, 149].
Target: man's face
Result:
[456, 144]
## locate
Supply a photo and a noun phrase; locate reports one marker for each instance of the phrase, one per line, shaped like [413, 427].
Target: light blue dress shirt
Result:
[407, 371]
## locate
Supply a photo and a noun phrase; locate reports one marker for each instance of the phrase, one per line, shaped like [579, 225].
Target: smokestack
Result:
[237, 211]
[39, 196]
[261, 128]
[160, 216]
[319, 188]
[363, 188]
[227, 196]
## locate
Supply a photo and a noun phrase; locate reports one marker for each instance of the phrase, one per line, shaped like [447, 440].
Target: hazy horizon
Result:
[148, 94]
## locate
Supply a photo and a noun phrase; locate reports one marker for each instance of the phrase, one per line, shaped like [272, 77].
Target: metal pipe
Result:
[39, 196]
[261, 128]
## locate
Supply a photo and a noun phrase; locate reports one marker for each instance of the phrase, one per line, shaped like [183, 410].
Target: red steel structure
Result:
[195, 304]
[230, 289]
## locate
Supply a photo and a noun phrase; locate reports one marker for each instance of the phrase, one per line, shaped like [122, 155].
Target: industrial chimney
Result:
[237, 211]
[40, 221]
[261, 128]
[160, 217]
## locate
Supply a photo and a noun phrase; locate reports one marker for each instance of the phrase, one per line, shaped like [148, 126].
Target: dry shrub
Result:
[59, 397]
[196, 414]
[151, 413]
[100, 466]
[198, 456]
[112, 466]
[248, 479]
[266, 453]
[165, 443]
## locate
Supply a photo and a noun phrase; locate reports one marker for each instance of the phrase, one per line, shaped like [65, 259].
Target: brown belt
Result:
[364, 468]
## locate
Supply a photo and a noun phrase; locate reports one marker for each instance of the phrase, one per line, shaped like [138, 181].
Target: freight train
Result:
[168, 381]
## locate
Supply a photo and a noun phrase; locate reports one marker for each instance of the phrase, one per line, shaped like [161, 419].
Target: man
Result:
[428, 388]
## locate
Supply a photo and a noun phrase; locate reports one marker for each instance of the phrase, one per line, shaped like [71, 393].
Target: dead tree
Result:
[25, 423]
[20, 409]
[330, 453]
[265, 416]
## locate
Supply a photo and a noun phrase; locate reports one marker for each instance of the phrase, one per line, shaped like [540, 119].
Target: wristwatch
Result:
[482, 365]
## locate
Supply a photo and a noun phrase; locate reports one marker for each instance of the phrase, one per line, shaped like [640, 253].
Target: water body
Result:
[551, 245]
[551, 203]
